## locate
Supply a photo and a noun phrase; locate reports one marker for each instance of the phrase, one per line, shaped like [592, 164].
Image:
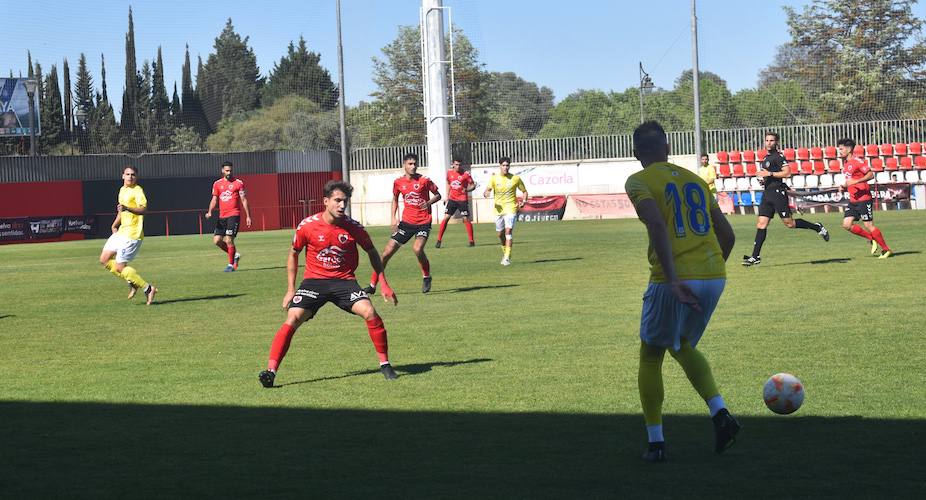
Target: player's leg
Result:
[231, 232]
[451, 209]
[649, 383]
[848, 223]
[784, 211]
[509, 221]
[127, 254]
[766, 212]
[377, 330]
[469, 229]
[302, 308]
[500, 229]
[218, 236]
[418, 248]
[868, 219]
[391, 248]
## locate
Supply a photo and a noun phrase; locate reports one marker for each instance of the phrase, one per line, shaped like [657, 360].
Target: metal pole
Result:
[435, 85]
[345, 167]
[696, 84]
[641, 93]
[31, 124]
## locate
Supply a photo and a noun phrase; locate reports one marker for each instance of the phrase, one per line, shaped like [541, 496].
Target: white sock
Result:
[654, 432]
[716, 404]
[381, 363]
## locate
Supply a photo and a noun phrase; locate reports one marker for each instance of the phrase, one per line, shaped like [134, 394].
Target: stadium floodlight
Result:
[646, 83]
[31, 85]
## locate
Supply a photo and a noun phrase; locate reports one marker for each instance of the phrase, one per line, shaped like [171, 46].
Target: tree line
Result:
[844, 62]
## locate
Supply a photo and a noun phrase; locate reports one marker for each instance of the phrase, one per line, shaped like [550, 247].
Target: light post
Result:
[31, 85]
[304, 214]
[646, 83]
[80, 115]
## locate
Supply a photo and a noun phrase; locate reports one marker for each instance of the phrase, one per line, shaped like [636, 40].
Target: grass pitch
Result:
[514, 382]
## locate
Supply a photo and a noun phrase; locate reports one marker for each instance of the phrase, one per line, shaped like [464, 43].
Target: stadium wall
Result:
[42, 199]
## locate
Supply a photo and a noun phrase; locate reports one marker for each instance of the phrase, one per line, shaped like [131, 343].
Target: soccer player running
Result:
[416, 191]
[689, 242]
[459, 183]
[330, 239]
[128, 233]
[229, 193]
[860, 203]
[505, 185]
[775, 200]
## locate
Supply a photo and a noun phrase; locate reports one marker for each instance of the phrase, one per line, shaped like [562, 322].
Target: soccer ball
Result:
[783, 393]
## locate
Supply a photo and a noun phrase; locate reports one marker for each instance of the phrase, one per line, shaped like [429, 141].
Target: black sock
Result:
[802, 224]
[760, 239]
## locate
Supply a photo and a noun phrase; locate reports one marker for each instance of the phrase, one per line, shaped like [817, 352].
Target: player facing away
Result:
[229, 193]
[689, 242]
[416, 191]
[128, 233]
[459, 183]
[860, 203]
[775, 199]
[505, 186]
[330, 239]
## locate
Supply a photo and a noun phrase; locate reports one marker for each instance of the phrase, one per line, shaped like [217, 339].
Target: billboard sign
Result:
[14, 108]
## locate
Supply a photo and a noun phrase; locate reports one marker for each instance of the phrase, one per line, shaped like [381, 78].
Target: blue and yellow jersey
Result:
[685, 202]
[504, 188]
[131, 224]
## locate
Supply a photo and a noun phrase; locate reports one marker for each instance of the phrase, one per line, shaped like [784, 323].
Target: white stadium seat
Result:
[826, 180]
[883, 177]
[839, 179]
[754, 184]
[797, 181]
[912, 176]
[811, 181]
[742, 184]
[729, 184]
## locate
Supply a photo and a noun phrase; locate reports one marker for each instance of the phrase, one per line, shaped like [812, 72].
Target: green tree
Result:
[144, 139]
[160, 107]
[300, 73]
[176, 109]
[230, 80]
[129, 117]
[53, 129]
[293, 123]
[777, 103]
[83, 99]
[185, 139]
[68, 106]
[518, 108]
[585, 112]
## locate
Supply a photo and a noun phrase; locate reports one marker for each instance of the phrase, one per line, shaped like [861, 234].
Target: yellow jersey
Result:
[505, 187]
[709, 174]
[685, 202]
[130, 225]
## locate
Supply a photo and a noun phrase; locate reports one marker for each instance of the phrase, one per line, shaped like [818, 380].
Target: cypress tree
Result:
[130, 95]
[160, 106]
[143, 124]
[83, 98]
[176, 109]
[300, 73]
[68, 107]
[53, 130]
[230, 80]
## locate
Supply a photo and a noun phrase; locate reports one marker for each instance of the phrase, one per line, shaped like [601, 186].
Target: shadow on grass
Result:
[472, 288]
[242, 270]
[835, 260]
[193, 299]
[403, 370]
[899, 254]
[108, 450]
[543, 261]
[7, 316]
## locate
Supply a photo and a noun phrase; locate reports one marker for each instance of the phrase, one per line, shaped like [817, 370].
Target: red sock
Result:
[861, 232]
[222, 246]
[231, 254]
[280, 345]
[469, 229]
[443, 227]
[425, 267]
[374, 279]
[877, 236]
[378, 336]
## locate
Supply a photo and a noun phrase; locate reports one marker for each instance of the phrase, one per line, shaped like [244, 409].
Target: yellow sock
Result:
[649, 381]
[111, 267]
[697, 370]
[131, 275]
[507, 251]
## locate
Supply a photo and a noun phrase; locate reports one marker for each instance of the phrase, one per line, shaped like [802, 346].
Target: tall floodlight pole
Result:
[345, 167]
[434, 65]
[696, 85]
[646, 83]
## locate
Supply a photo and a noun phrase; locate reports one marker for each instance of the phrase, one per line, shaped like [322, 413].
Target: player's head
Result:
[650, 144]
[457, 165]
[845, 147]
[705, 159]
[771, 141]
[336, 197]
[129, 175]
[504, 163]
[227, 170]
[410, 163]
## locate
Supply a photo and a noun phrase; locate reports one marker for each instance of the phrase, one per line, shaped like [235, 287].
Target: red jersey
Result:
[415, 192]
[458, 183]
[857, 168]
[229, 193]
[330, 249]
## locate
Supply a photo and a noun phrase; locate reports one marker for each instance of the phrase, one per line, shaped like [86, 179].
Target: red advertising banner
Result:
[538, 208]
[614, 205]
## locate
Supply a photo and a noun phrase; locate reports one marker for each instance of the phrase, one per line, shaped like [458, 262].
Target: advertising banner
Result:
[540, 208]
[834, 197]
[545, 179]
[38, 228]
[14, 108]
[605, 205]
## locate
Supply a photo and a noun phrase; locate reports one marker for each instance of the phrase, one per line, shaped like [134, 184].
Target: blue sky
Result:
[595, 44]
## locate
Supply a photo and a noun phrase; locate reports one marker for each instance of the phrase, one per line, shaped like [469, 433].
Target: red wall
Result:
[302, 186]
[263, 200]
[38, 199]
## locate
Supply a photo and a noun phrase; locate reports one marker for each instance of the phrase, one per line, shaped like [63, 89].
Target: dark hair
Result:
[846, 142]
[457, 160]
[504, 159]
[703, 155]
[134, 169]
[227, 163]
[650, 138]
[773, 134]
[410, 156]
[336, 185]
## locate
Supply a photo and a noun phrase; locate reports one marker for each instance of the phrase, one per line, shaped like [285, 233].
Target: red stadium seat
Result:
[916, 148]
[723, 157]
[858, 151]
[829, 153]
[877, 165]
[871, 150]
[749, 156]
[887, 149]
[890, 164]
[806, 167]
[789, 154]
[803, 154]
[819, 168]
[751, 169]
[835, 167]
[920, 163]
[738, 170]
[816, 153]
[761, 154]
[735, 157]
[906, 163]
[724, 170]
[900, 149]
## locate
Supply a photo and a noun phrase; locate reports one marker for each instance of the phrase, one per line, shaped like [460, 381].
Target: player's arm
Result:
[865, 178]
[140, 210]
[523, 189]
[377, 264]
[395, 211]
[247, 209]
[118, 220]
[434, 199]
[292, 267]
[215, 199]
[489, 187]
[723, 231]
[649, 213]
[470, 186]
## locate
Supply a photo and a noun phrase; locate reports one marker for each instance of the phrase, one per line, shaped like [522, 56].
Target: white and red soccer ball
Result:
[783, 393]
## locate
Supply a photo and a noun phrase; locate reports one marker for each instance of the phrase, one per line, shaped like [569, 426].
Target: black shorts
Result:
[860, 210]
[774, 202]
[312, 294]
[408, 231]
[228, 226]
[454, 206]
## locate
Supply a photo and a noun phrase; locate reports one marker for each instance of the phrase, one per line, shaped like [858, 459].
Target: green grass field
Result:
[514, 382]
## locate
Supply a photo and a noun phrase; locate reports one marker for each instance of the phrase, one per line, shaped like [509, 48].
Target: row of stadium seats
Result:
[818, 161]
[823, 180]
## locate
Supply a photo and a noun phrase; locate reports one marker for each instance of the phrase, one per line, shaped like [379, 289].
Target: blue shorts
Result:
[665, 320]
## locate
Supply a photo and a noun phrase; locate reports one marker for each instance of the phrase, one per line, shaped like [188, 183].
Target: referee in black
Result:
[775, 199]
